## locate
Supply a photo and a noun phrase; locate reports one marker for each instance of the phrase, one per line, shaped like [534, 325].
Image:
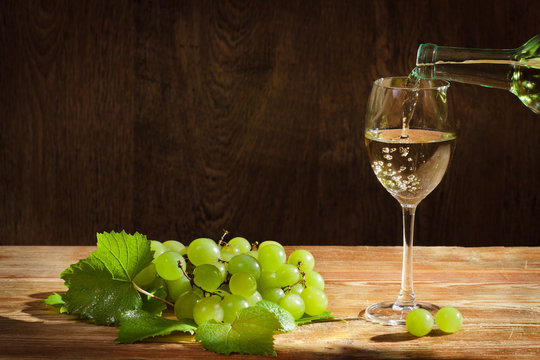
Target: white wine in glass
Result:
[410, 141]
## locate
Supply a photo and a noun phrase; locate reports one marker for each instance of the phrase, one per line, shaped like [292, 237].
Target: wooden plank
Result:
[496, 289]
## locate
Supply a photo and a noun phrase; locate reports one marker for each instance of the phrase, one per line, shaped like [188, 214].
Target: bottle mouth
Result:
[406, 83]
[424, 72]
[426, 55]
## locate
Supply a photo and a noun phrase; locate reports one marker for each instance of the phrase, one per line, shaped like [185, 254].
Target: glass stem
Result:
[406, 299]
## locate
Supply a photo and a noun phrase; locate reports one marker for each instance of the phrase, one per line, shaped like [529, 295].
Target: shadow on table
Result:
[405, 336]
[65, 336]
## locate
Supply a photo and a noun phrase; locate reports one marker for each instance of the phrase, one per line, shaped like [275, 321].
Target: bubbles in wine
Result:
[409, 168]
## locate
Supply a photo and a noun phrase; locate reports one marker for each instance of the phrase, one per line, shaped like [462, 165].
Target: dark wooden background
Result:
[180, 118]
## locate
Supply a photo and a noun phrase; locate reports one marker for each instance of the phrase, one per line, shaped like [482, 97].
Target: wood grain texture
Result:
[180, 118]
[495, 288]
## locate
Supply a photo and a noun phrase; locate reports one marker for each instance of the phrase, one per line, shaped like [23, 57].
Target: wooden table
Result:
[497, 290]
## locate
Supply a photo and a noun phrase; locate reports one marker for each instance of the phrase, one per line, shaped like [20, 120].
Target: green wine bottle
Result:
[516, 70]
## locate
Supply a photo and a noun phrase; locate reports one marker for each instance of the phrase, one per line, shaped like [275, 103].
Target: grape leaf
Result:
[54, 300]
[95, 295]
[99, 287]
[152, 305]
[122, 254]
[325, 316]
[251, 333]
[286, 320]
[135, 325]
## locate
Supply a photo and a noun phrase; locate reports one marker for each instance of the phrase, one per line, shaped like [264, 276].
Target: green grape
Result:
[294, 304]
[157, 247]
[175, 288]
[448, 319]
[303, 257]
[242, 284]
[287, 275]
[207, 277]
[297, 289]
[229, 251]
[176, 246]
[232, 304]
[183, 307]
[222, 269]
[226, 256]
[271, 257]
[158, 283]
[254, 298]
[241, 243]
[269, 242]
[267, 280]
[273, 294]
[206, 309]
[419, 322]
[169, 265]
[245, 263]
[146, 276]
[315, 301]
[203, 251]
[253, 253]
[314, 279]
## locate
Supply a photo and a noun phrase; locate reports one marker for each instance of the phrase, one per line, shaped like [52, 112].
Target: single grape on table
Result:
[449, 319]
[419, 322]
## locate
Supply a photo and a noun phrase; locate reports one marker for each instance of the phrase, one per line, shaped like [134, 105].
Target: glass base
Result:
[389, 313]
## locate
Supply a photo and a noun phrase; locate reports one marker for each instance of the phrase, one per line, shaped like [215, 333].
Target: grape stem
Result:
[301, 281]
[142, 291]
[185, 274]
[217, 293]
[222, 240]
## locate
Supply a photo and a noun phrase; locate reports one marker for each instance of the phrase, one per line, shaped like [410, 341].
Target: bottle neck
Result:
[486, 67]
[430, 54]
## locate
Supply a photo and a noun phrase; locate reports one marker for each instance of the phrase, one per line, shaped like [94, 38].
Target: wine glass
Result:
[410, 141]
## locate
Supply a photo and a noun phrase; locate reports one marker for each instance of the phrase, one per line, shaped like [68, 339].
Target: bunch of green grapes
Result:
[214, 281]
